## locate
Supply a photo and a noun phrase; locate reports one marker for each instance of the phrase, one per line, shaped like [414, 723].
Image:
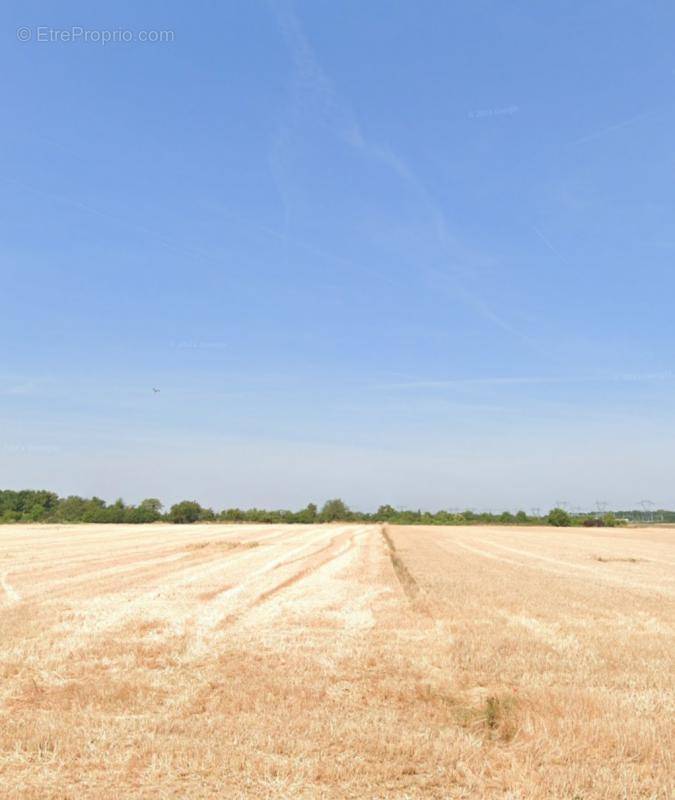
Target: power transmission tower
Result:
[648, 509]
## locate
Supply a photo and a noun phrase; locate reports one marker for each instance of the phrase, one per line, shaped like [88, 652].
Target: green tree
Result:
[559, 517]
[521, 517]
[71, 509]
[185, 512]
[307, 515]
[151, 504]
[334, 510]
[385, 513]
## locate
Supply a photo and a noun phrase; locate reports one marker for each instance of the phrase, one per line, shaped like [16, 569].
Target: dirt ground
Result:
[337, 661]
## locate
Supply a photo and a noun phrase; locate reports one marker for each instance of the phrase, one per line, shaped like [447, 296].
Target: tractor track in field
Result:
[218, 617]
[130, 575]
[403, 574]
[306, 571]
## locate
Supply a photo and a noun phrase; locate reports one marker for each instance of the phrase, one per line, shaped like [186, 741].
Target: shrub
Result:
[559, 517]
[592, 522]
[334, 510]
[186, 512]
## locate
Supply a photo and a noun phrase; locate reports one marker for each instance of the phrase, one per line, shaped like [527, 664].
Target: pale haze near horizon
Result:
[417, 255]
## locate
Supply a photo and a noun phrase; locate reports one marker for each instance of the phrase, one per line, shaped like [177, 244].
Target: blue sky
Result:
[418, 253]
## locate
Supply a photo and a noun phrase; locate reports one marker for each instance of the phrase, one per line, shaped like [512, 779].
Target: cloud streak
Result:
[313, 91]
[532, 380]
[548, 244]
[626, 123]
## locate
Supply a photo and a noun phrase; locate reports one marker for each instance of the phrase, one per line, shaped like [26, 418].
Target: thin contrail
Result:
[548, 244]
[314, 88]
[530, 380]
[610, 128]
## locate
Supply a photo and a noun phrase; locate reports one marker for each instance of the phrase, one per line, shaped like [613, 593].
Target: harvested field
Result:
[337, 661]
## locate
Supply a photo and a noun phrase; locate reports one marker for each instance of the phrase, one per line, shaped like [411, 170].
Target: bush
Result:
[606, 521]
[334, 510]
[308, 514]
[186, 512]
[559, 517]
[385, 513]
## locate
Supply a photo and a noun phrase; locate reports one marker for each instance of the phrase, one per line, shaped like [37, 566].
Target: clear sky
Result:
[409, 252]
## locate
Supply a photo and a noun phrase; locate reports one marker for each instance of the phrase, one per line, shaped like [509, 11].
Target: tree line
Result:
[30, 505]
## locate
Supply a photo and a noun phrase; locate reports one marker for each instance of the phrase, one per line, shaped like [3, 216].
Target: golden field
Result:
[336, 661]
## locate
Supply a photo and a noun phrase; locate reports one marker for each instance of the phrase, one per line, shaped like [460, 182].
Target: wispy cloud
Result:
[625, 123]
[158, 236]
[314, 97]
[21, 389]
[550, 246]
[312, 88]
[529, 380]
